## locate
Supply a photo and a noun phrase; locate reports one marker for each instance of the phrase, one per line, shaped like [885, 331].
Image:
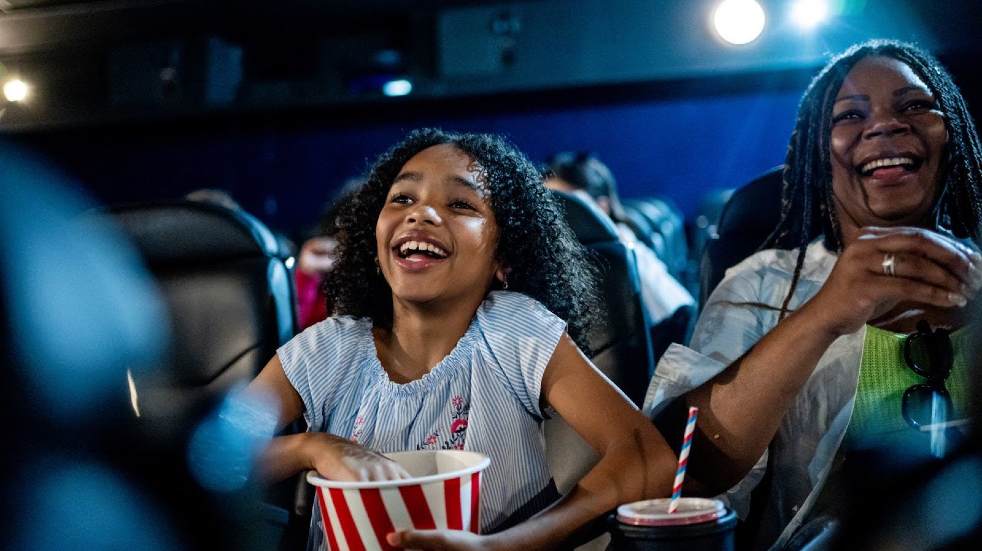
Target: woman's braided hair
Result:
[544, 259]
[807, 205]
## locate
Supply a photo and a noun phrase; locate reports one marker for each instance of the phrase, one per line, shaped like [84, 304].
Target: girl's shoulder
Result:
[509, 305]
[336, 336]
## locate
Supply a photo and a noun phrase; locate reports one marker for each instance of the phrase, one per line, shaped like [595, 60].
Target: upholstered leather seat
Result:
[621, 344]
[668, 231]
[228, 293]
[749, 217]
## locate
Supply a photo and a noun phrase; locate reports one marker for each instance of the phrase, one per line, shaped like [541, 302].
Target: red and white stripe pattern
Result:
[690, 426]
[359, 520]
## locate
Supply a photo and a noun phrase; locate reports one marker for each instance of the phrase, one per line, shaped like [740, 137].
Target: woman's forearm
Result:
[742, 407]
[635, 468]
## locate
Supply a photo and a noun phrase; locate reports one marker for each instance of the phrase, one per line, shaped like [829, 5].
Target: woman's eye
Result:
[846, 115]
[401, 199]
[462, 205]
[918, 105]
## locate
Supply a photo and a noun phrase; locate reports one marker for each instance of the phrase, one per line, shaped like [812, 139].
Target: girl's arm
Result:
[635, 462]
[331, 456]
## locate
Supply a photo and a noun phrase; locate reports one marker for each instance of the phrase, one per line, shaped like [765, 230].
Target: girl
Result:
[455, 272]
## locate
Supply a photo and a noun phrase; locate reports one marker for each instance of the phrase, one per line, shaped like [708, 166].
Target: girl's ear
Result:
[502, 275]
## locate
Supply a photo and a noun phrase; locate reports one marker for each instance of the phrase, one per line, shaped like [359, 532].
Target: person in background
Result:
[858, 336]
[314, 262]
[669, 305]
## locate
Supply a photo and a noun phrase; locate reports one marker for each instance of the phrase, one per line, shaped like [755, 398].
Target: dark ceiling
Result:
[102, 62]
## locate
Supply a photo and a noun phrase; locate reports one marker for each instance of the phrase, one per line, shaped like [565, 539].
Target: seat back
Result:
[621, 344]
[749, 217]
[84, 319]
[229, 295]
[668, 227]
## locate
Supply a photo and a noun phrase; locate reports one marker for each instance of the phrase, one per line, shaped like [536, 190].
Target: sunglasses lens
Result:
[929, 356]
[926, 405]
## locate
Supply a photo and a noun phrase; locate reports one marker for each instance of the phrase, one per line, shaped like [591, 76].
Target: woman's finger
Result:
[874, 231]
[903, 289]
[942, 252]
[920, 269]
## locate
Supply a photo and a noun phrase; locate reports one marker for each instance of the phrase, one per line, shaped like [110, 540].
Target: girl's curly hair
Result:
[544, 259]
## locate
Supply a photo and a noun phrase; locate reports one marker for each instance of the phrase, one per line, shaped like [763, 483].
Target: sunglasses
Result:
[929, 354]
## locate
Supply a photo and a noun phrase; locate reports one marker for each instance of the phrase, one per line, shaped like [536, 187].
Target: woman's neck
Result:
[421, 336]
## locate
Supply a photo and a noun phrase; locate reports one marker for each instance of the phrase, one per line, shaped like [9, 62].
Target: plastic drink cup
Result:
[443, 493]
[698, 524]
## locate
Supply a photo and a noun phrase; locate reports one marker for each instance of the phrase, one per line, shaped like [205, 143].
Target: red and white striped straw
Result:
[690, 426]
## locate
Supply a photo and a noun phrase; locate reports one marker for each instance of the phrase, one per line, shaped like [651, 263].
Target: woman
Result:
[882, 200]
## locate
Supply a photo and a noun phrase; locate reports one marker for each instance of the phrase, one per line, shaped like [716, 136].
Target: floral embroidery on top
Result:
[456, 432]
[359, 429]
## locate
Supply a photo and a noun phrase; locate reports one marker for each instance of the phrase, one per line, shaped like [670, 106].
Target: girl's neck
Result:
[421, 336]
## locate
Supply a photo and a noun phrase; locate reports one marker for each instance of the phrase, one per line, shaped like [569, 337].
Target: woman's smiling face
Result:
[887, 145]
[437, 236]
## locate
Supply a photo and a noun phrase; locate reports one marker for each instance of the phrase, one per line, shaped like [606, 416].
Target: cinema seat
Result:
[224, 280]
[749, 217]
[621, 344]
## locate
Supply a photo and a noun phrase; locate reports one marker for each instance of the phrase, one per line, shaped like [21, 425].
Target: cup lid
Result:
[654, 512]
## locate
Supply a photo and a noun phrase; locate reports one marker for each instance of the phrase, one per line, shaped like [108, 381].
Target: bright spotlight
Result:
[399, 87]
[739, 21]
[15, 90]
[809, 13]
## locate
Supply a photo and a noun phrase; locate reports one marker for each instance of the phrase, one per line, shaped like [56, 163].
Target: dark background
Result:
[279, 103]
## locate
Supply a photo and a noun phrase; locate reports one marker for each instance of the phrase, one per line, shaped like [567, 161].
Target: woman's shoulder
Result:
[780, 263]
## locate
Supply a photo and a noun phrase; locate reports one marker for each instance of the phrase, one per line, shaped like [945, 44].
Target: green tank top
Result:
[883, 378]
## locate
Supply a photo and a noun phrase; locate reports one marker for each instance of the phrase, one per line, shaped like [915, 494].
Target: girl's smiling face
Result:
[887, 145]
[436, 235]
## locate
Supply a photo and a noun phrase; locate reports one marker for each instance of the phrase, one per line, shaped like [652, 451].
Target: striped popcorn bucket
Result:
[444, 492]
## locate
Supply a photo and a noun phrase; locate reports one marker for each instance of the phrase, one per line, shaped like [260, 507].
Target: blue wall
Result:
[679, 148]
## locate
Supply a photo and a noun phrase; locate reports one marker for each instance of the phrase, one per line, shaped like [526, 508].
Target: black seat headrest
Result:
[747, 220]
[189, 232]
[753, 210]
[588, 222]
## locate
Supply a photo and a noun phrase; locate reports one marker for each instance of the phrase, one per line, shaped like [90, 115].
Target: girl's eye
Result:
[847, 115]
[400, 199]
[459, 204]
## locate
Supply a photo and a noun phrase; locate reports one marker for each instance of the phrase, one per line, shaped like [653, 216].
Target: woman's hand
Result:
[441, 540]
[928, 268]
[335, 458]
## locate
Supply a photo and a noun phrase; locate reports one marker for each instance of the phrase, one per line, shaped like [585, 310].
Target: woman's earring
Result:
[378, 267]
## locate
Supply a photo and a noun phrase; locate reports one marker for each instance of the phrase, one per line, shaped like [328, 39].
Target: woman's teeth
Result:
[869, 167]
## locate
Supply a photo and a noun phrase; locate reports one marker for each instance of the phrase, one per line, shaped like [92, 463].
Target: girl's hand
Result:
[440, 540]
[929, 268]
[339, 459]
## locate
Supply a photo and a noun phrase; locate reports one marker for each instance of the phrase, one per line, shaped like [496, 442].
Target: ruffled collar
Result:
[447, 368]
